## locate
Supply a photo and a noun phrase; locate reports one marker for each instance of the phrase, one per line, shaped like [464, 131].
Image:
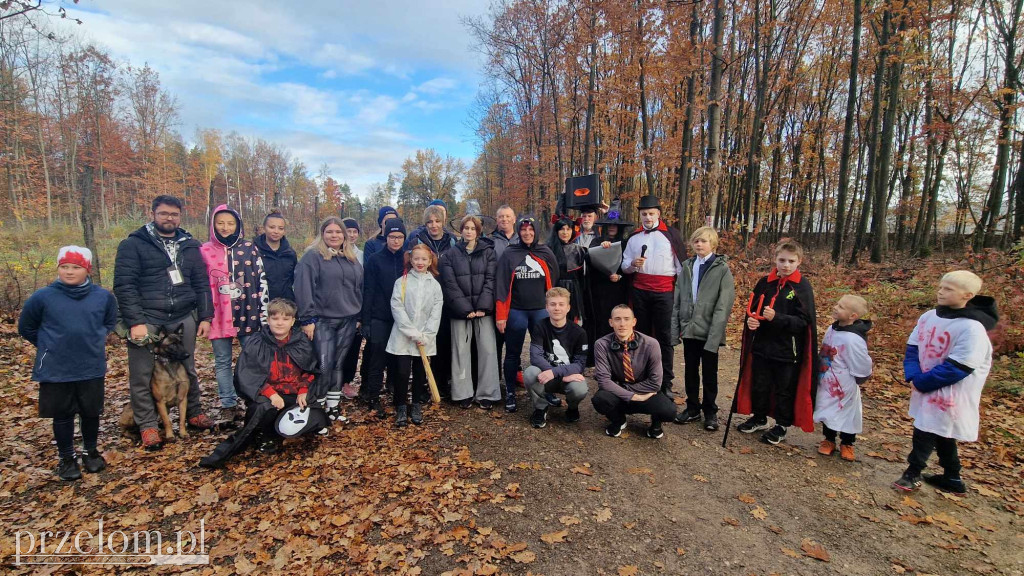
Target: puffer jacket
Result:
[142, 284]
[279, 266]
[238, 284]
[707, 318]
[421, 236]
[416, 303]
[467, 279]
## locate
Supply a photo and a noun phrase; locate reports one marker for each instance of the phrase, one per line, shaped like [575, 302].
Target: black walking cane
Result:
[735, 401]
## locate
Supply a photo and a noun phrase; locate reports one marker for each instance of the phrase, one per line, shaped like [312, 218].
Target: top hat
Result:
[650, 201]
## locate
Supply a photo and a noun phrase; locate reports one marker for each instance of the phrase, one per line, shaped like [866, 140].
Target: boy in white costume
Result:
[845, 365]
[948, 358]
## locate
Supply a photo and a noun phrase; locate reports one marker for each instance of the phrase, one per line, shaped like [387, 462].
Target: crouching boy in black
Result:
[273, 373]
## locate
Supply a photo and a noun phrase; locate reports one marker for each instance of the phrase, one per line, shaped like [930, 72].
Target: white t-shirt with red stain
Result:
[844, 359]
[952, 411]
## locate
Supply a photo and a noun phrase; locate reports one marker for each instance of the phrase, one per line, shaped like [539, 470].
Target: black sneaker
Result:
[754, 424]
[907, 482]
[553, 401]
[401, 417]
[486, 404]
[711, 422]
[93, 461]
[572, 415]
[212, 464]
[655, 432]
[416, 414]
[686, 416]
[270, 446]
[615, 430]
[946, 484]
[539, 418]
[774, 436]
[510, 403]
[466, 404]
[68, 469]
[378, 409]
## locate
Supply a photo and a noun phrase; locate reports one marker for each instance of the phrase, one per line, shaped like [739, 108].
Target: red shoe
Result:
[201, 422]
[519, 380]
[151, 439]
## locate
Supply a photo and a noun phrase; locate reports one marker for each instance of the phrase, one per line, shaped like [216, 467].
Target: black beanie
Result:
[351, 223]
[394, 225]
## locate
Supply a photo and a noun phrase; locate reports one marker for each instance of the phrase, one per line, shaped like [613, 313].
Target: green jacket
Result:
[706, 319]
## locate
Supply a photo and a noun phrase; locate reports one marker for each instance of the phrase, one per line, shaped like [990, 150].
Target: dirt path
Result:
[685, 505]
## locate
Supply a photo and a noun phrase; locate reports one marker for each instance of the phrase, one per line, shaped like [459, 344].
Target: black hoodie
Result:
[980, 308]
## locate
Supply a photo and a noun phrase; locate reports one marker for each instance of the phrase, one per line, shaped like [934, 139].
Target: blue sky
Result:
[359, 85]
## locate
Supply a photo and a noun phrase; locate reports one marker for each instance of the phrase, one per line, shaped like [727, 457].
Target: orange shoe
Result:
[846, 452]
[201, 422]
[151, 439]
[827, 448]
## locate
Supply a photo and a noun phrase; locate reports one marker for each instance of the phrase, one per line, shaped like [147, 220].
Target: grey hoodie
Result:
[327, 288]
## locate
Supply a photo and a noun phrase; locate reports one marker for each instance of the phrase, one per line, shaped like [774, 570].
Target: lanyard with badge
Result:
[173, 271]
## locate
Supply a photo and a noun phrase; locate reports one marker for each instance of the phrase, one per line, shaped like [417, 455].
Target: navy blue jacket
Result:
[380, 271]
[279, 266]
[68, 326]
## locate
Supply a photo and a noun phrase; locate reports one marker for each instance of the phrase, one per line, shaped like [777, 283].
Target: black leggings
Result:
[64, 434]
[845, 437]
[402, 367]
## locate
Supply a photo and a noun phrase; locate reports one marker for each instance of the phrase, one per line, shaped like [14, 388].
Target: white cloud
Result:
[233, 65]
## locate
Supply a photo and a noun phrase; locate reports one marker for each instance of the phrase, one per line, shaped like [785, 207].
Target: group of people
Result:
[430, 299]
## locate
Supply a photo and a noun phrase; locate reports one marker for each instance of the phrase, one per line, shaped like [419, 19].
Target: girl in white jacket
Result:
[416, 303]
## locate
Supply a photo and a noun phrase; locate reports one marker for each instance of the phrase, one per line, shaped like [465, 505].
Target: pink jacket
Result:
[237, 283]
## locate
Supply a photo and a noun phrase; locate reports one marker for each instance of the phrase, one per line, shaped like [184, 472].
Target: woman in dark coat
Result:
[467, 280]
[608, 291]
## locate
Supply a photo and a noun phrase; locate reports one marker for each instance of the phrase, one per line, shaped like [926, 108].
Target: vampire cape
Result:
[790, 296]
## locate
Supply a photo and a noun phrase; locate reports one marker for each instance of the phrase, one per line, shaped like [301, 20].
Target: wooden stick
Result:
[430, 375]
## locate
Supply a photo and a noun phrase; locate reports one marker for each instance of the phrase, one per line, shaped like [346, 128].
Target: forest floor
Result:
[473, 492]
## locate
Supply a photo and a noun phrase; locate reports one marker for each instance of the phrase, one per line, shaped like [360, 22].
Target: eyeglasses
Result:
[168, 215]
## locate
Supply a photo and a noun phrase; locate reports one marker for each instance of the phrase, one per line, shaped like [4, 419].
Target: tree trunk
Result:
[879, 227]
[87, 220]
[687, 139]
[713, 172]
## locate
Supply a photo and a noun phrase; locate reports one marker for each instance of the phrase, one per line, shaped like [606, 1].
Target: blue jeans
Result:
[519, 321]
[222, 366]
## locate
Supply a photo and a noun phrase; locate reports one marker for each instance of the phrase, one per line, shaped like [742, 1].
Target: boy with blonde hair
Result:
[947, 360]
[705, 293]
[845, 365]
[558, 354]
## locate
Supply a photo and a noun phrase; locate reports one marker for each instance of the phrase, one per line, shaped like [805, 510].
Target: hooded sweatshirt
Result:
[238, 283]
[535, 269]
[68, 325]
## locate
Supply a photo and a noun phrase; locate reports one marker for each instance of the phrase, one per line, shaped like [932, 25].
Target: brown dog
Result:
[169, 382]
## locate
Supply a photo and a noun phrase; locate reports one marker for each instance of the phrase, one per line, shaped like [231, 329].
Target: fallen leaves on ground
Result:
[553, 537]
[814, 550]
